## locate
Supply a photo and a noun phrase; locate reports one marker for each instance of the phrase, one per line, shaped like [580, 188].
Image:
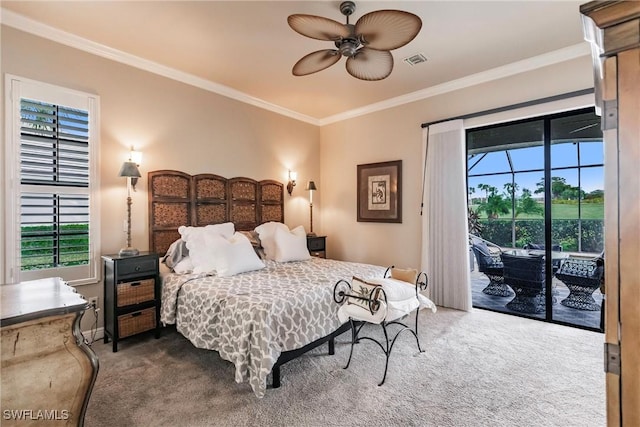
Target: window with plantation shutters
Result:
[54, 144]
[54, 155]
[54, 178]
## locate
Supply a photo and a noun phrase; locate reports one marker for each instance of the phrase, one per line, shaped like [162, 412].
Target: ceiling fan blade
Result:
[317, 27]
[387, 29]
[370, 64]
[316, 61]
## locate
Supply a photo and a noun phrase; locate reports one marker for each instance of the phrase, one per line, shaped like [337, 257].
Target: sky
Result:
[562, 155]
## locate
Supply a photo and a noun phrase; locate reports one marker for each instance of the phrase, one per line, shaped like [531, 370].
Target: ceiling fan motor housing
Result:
[347, 8]
[348, 47]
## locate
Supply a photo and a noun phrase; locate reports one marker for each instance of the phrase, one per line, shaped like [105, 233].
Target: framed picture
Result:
[380, 192]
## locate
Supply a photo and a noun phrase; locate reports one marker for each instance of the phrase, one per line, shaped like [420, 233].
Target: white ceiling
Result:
[246, 48]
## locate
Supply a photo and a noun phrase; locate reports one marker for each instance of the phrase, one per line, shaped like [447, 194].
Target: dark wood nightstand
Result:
[317, 246]
[131, 296]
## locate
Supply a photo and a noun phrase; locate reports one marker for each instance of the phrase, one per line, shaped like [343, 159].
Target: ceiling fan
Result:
[365, 44]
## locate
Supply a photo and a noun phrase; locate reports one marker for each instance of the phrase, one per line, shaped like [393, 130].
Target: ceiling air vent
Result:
[416, 59]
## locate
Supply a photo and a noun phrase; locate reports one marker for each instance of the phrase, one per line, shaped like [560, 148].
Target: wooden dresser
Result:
[47, 371]
[613, 29]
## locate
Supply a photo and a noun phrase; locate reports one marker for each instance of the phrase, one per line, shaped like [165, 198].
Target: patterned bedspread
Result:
[251, 318]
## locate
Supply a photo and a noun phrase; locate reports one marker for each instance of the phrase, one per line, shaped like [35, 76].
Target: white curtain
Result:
[445, 249]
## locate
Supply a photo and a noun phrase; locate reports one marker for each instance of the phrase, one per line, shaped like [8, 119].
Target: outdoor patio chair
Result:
[582, 277]
[490, 264]
[554, 246]
[526, 276]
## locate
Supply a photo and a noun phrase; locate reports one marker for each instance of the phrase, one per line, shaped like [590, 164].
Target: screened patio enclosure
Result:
[538, 183]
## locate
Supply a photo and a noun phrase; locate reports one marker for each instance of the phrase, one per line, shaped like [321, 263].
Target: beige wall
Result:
[178, 126]
[395, 134]
[175, 125]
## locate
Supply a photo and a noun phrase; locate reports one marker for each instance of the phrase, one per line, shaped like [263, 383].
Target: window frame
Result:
[17, 87]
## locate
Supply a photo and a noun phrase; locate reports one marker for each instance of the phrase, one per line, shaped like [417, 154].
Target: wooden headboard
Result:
[177, 198]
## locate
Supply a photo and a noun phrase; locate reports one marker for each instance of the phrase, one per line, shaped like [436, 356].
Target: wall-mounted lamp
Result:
[311, 187]
[292, 182]
[129, 170]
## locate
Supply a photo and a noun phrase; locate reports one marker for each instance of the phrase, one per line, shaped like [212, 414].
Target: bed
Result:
[257, 320]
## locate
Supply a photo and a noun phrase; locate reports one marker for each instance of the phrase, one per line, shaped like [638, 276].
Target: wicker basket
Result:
[136, 322]
[130, 293]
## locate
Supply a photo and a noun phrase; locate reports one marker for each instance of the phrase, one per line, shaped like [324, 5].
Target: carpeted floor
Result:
[479, 369]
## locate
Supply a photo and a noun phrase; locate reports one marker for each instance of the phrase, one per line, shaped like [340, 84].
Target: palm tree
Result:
[471, 191]
[495, 204]
[487, 189]
[511, 188]
[526, 204]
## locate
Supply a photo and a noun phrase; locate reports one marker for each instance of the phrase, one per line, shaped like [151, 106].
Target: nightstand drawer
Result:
[130, 293]
[138, 265]
[136, 322]
[316, 244]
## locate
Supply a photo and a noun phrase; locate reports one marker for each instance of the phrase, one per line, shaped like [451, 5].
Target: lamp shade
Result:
[129, 170]
[311, 186]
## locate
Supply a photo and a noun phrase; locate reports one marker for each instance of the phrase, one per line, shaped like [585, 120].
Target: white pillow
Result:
[395, 290]
[203, 255]
[226, 230]
[266, 232]
[291, 245]
[184, 266]
[234, 256]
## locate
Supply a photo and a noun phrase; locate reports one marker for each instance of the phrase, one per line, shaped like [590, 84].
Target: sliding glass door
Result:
[535, 192]
[577, 214]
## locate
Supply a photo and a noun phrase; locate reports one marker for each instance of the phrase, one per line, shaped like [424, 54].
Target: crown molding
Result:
[535, 62]
[37, 28]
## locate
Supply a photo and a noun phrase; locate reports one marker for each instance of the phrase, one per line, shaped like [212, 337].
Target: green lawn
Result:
[37, 246]
[561, 211]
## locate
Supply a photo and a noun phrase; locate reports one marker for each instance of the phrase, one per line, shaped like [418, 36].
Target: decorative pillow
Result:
[266, 233]
[254, 238]
[408, 275]
[176, 252]
[364, 291]
[234, 256]
[481, 246]
[291, 245]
